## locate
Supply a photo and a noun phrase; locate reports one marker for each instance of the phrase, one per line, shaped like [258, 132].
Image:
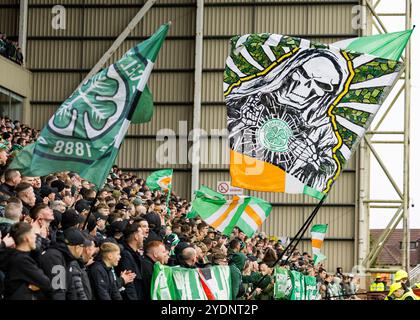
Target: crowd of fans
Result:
[61, 239]
[10, 49]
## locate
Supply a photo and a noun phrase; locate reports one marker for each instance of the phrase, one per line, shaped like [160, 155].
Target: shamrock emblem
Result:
[92, 109]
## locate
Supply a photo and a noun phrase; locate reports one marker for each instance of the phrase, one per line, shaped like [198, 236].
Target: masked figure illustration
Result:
[282, 117]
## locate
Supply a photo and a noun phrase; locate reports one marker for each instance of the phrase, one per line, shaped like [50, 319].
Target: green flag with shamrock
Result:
[86, 132]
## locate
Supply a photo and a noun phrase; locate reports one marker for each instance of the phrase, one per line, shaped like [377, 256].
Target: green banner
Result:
[298, 289]
[282, 284]
[311, 291]
[86, 132]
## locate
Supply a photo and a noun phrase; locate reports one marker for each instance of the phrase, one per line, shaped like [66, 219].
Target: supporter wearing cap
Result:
[122, 210]
[131, 259]
[82, 206]
[58, 258]
[48, 192]
[155, 231]
[70, 218]
[79, 270]
[116, 229]
[100, 222]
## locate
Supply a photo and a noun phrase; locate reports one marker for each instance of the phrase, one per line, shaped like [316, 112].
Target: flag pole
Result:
[130, 114]
[298, 236]
[308, 223]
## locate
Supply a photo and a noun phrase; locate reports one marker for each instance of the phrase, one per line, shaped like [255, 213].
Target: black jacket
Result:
[56, 264]
[104, 282]
[8, 189]
[21, 271]
[81, 289]
[157, 231]
[26, 208]
[132, 260]
[147, 269]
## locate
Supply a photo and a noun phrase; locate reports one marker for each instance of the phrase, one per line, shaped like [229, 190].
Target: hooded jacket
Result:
[80, 284]
[24, 280]
[54, 261]
[236, 265]
[155, 232]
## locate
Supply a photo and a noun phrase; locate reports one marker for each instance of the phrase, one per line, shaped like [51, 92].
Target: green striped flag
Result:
[247, 213]
[176, 283]
[319, 258]
[318, 232]
[387, 45]
[86, 132]
[160, 180]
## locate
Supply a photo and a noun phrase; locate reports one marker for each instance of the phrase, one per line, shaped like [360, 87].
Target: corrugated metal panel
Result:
[336, 19]
[214, 153]
[215, 53]
[105, 21]
[102, 2]
[93, 51]
[63, 84]
[9, 23]
[39, 23]
[340, 221]
[175, 54]
[54, 86]
[284, 221]
[172, 87]
[229, 1]
[54, 54]
[227, 20]
[304, 20]
[149, 153]
[282, 19]
[213, 117]
[182, 18]
[164, 117]
[339, 254]
[212, 87]
[40, 114]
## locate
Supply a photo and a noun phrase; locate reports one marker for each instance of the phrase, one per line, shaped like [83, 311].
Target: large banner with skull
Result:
[297, 109]
[86, 132]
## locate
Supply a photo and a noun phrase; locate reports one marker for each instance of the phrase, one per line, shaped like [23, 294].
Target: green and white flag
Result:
[86, 132]
[319, 258]
[387, 45]
[311, 291]
[318, 232]
[160, 180]
[298, 286]
[282, 284]
[247, 213]
[176, 283]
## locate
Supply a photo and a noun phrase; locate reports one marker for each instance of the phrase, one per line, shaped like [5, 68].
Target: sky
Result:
[392, 155]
